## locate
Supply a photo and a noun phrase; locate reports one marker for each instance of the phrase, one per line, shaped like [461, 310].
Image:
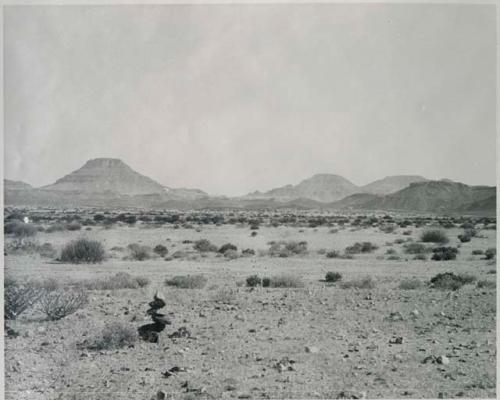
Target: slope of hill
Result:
[434, 196]
[103, 175]
[321, 187]
[391, 184]
[15, 185]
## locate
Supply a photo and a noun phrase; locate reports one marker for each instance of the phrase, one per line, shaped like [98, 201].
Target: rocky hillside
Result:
[391, 184]
[103, 175]
[321, 187]
[15, 185]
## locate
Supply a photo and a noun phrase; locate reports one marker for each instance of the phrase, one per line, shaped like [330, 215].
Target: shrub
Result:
[248, 252]
[187, 281]
[19, 297]
[421, 257]
[61, 303]
[161, 250]
[115, 336]
[30, 247]
[477, 252]
[333, 276]
[266, 282]
[434, 236]
[120, 280]
[490, 253]
[286, 281]
[253, 234]
[333, 254]
[364, 283]
[390, 252]
[204, 246]
[55, 228]
[138, 252]
[231, 254]
[225, 295]
[253, 281]
[20, 229]
[450, 281]
[286, 249]
[83, 251]
[444, 253]
[410, 284]
[73, 226]
[226, 247]
[357, 248]
[486, 284]
[179, 254]
[415, 248]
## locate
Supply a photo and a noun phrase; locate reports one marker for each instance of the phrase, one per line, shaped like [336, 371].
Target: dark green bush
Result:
[444, 253]
[161, 250]
[450, 281]
[364, 247]
[187, 281]
[490, 253]
[204, 246]
[226, 247]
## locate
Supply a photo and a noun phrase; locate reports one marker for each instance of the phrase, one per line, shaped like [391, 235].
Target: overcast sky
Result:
[234, 98]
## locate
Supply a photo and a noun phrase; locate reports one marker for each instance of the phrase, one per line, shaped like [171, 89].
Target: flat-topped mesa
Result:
[150, 332]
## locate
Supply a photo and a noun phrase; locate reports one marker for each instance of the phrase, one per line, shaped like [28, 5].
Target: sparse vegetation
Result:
[444, 253]
[161, 250]
[286, 249]
[115, 336]
[333, 276]
[364, 283]
[253, 281]
[285, 281]
[450, 281]
[187, 281]
[74, 226]
[204, 246]
[61, 303]
[490, 253]
[120, 280]
[138, 252]
[83, 251]
[411, 284]
[19, 297]
[364, 247]
[486, 284]
[434, 236]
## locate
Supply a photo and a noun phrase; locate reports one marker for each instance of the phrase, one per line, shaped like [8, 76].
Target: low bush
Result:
[434, 236]
[204, 246]
[286, 249]
[486, 284]
[450, 281]
[19, 297]
[410, 284]
[364, 283]
[20, 229]
[226, 247]
[61, 303]
[83, 251]
[115, 336]
[285, 281]
[444, 253]
[187, 281]
[120, 280]
[421, 257]
[333, 254]
[248, 252]
[253, 281]
[224, 295]
[161, 250]
[139, 252]
[231, 254]
[477, 252]
[55, 228]
[364, 247]
[333, 276]
[30, 247]
[415, 248]
[490, 253]
[266, 282]
[73, 226]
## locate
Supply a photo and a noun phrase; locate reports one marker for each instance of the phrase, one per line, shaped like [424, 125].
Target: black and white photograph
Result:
[249, 200]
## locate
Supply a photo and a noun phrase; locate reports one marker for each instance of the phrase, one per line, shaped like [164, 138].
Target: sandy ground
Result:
[238, 347]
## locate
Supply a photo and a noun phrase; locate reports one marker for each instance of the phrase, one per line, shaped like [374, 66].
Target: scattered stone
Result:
[443, 360]
[160, 395]
[182, 332]
[396, 340]
[312, 349]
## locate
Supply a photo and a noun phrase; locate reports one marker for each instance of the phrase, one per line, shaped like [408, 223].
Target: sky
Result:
[235, 98]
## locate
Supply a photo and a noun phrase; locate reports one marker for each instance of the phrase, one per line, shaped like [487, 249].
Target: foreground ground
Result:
[251, 342]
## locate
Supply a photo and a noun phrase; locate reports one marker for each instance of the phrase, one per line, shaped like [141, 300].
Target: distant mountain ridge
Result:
[110, 183]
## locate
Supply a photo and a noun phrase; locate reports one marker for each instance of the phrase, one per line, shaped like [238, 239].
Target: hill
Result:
[106, 175]
[391, 184]
[15, 185]
[324, 188]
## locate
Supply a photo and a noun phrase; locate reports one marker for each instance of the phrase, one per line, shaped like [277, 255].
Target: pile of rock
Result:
[150, 332]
